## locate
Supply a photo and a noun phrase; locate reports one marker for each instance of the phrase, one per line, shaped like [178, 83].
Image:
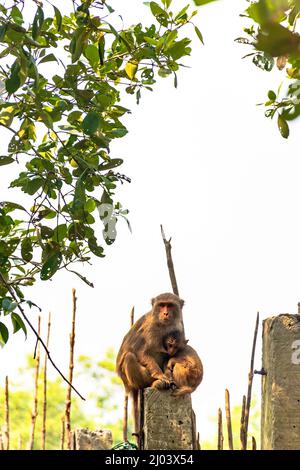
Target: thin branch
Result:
[168, 248]
[6, 410]
[36, 334]
[44, 418]
[242, 427]
[71, 368]
[62, 434]
[228, 419]
[220, 430]
[36, 385]
[250, 380]
[253, 443]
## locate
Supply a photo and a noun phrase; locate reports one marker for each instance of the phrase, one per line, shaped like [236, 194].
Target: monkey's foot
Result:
[161, 384]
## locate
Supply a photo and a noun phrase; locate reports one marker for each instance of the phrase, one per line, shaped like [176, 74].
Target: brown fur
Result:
[141, 356]
[185, 366]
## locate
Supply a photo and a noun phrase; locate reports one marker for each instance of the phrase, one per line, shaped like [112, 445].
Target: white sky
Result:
[207, 164]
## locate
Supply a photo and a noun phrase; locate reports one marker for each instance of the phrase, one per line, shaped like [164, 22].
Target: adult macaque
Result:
[141, 356]
[185, 366]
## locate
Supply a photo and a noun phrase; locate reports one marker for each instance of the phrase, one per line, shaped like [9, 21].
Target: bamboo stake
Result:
[36, 386]
[220, 430]
[6, 410]
[253, 443]
[168, 248]
[228, 419]
[242, 427]
[44, 417]
[62, 434]
[250, 380]
[125, 416]
[71, 368]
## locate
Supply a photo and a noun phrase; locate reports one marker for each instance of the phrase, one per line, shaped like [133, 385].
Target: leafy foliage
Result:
[273, 34]
[60, 81]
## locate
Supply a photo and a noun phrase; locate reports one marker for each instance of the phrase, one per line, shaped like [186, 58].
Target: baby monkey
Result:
[184, 368]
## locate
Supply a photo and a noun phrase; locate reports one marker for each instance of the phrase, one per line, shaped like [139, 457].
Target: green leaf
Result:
[263, 61]
[59, 233]
[181, 13]
[58, 18]
[199, 3]
[272, 95]
[92, 55]
[166, 3]
[14, 81]
[90, 205]
[199, 34]
[18, 323]
[131, 69]
[48, 58]
[91, 123]
[6, 160]
[95, 248]
[101, 49]
[277, 40]
[3, 333]
[3, 30]
[37, 23]
[32, 185]
[113, 163]
[283, 126]
[26, 249]
[51, 266]
[11, 206]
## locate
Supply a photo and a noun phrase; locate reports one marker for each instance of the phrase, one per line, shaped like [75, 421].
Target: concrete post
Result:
[280, 424]
[84, 439]
[168, 423]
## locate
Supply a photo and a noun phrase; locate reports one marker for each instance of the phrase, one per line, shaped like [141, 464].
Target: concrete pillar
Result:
[84, 439]
[168, 423]
[280, 426]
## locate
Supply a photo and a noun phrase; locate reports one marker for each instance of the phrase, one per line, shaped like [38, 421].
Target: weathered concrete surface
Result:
[84, 439]
[281, 386]
[167, 421]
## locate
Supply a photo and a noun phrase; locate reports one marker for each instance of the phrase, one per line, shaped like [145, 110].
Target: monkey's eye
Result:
[170, 305]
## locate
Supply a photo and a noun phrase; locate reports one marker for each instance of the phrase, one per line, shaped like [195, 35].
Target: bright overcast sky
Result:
[207, 164]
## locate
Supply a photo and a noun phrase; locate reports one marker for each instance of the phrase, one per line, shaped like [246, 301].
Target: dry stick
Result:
[35, 398]
[250, 380]
[220, 431]
[6, 410]
[44, 418]
[242, 429]
[71, 367]
[253, 443]
[1, 442]
[198, 442]
[62, 433]
[228, 419]
[125, 417]
[36, 334]
[168, 248]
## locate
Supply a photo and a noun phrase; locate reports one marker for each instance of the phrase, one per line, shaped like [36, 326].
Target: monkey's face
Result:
[167, 312]
[171, 346]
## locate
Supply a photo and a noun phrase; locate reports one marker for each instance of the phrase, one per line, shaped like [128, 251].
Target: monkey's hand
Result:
[161, 384]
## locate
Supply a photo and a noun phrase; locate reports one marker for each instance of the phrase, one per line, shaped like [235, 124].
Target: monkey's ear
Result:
[181, 303]
[152, 301]
[186, 341]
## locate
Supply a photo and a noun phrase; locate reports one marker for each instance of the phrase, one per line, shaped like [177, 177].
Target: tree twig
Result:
[228, 419]
[62, 433]
[220, 430]
[168, 248]
[250, 380]
[36, 334]
[6, 400]
[253, 443]
[44, 418]
[242, 427]
[36, 388]
[71, 368]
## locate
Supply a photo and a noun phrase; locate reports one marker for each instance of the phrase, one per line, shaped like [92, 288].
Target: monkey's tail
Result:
[135, 413]
[182, 391]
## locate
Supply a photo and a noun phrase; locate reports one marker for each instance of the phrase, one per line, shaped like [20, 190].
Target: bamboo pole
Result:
[71, 368]
[253, 443]
[6, 411]
[220, 430]
[242, 426]
[36, 387]
[44, 417]
[125, 416]
[168, 248]
[62, 433]
[250, 380]
[228, 419]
